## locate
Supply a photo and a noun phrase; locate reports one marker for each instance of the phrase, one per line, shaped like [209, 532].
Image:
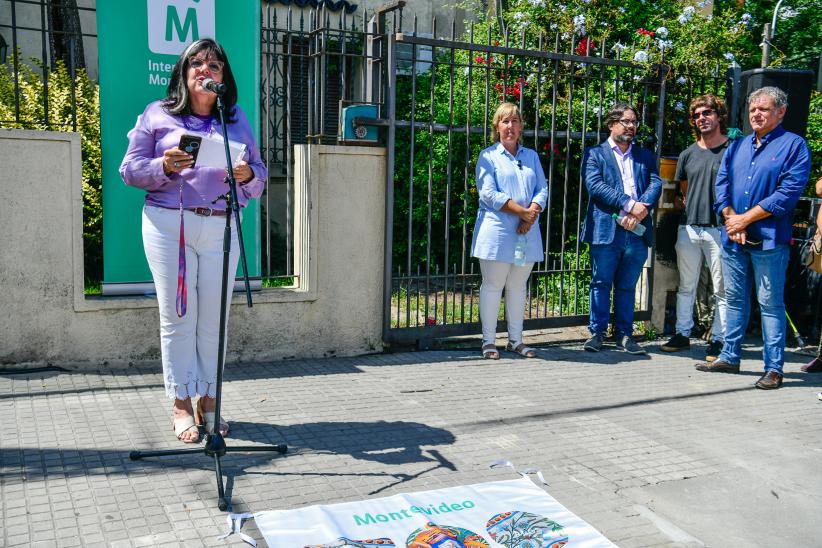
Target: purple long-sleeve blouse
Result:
[157, 131]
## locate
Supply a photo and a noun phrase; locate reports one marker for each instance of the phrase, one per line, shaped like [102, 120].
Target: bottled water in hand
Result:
[519, 250]
[639, 229]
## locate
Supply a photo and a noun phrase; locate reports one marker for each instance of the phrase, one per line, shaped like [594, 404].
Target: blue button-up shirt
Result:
[502, 176]
[772, 175]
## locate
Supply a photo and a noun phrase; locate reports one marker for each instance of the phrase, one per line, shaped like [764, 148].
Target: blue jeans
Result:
[616, 265]
[766, 269]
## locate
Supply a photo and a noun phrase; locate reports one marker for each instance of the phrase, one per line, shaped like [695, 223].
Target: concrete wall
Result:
[336, 310]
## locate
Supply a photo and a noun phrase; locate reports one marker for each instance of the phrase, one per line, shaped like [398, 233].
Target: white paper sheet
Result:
[212, 152]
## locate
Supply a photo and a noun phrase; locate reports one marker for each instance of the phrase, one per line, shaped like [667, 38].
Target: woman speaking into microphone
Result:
[183, 225]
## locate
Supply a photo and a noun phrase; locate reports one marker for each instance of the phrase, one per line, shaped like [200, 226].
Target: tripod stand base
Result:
[216, 447]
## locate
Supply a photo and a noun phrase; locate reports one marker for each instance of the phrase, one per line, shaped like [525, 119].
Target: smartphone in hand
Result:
[190, 144]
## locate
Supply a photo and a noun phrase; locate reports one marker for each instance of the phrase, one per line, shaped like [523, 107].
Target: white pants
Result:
[692, 244]
[497, 275]
[189, 344]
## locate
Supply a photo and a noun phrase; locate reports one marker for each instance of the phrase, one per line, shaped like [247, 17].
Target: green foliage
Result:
[73, 104]
[798, 35]
[814, 137]
[279, 281]
[564, 289]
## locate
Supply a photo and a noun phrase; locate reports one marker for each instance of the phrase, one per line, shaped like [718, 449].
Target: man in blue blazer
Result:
[622, 180]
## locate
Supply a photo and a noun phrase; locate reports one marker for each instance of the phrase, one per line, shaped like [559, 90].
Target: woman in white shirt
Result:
[507, 240]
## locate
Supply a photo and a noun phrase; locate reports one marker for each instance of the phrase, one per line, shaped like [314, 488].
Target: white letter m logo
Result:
[174, 24]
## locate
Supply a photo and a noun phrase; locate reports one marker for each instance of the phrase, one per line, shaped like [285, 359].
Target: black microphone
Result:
[214, 87]
[519, 164]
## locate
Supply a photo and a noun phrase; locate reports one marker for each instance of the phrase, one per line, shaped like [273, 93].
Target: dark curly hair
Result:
[617, 112]
[713, 102]
[178, 101]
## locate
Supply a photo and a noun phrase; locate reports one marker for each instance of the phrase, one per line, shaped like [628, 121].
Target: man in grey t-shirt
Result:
[698, 237]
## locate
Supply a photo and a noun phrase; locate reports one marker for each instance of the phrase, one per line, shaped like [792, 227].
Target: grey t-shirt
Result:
[699, 167]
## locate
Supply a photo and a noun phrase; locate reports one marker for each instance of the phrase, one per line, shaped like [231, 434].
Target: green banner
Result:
[138, 42]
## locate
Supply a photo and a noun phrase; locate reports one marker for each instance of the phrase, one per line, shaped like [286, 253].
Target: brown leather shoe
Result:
[717, 366]
[769, 381]
[813, 366]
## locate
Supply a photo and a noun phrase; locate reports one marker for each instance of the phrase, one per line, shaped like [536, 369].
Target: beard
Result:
[624, 138]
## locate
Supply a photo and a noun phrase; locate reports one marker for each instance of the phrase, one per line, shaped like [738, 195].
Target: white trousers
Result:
[189, 344]
[497, 275]
[692, 244]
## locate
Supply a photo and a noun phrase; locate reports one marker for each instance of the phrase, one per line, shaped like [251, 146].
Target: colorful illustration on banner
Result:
[444, 536]
[368, 543]
[525, 530]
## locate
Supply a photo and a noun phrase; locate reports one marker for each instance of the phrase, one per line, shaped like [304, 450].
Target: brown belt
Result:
[206, 211]
[201, 211]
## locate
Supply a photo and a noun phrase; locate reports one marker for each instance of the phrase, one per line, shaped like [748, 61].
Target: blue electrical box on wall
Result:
[348, 133]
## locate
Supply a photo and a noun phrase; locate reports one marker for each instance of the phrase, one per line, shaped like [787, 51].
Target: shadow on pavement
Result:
[390, 443]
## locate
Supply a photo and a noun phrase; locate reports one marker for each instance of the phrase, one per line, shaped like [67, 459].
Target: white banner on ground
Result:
[514, 513]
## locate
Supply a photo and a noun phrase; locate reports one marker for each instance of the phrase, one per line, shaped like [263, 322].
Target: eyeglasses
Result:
[705, 113]
[628, 123]
[212, 65]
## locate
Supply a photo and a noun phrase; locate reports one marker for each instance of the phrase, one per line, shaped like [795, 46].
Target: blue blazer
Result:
[606, 195]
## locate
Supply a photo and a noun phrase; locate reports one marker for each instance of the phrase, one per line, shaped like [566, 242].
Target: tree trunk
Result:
[65, 35]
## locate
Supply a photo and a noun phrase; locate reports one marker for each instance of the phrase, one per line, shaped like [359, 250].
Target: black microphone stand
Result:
[215, 445]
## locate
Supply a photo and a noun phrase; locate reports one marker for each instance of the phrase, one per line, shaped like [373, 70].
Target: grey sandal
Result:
[522, 350]
[490, 352]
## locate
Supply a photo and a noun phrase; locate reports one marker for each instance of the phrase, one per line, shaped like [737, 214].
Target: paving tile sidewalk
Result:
[646, 449]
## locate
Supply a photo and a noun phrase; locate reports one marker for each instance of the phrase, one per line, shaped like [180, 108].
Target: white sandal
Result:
[206, 418]
[490, 352]
[182, 425]
[522, 350]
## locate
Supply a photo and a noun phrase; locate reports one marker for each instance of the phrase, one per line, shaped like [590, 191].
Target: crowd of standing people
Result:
[739, 198]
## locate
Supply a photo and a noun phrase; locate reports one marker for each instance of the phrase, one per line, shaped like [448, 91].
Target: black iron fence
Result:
[443, 92]
[313, 61]
[38, 38]
[434, 96]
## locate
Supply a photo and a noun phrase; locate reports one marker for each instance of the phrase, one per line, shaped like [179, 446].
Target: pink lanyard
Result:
[182, 290]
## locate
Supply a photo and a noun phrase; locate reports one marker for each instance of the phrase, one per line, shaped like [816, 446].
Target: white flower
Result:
[537, 3]
[704, 3]
[518, 17]
[729, 56]
[746, 17]
[679, 106]
[621, 9]
[661, 33]
[683, 19]
[689, 10]
[665, 44]
[552, 26]
[618, 47]
[681, 80]
[579, 24]
[641, 56]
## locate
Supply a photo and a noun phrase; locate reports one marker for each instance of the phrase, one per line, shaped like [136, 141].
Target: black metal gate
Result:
[435, 98]
[442, 94]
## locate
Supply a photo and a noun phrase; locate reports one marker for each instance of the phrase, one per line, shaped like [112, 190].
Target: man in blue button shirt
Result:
[757, 188]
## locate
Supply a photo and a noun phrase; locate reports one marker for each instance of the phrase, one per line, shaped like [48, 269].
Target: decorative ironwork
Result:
[338, 5]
